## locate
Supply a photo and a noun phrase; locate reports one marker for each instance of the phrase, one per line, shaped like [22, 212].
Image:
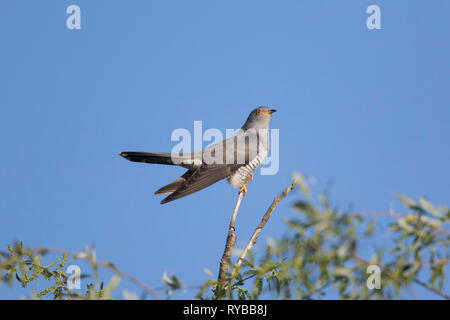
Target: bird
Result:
[233, 159]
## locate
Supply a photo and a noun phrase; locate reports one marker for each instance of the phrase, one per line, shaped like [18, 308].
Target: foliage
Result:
[318, 256]
[26, 266]
[325, 253]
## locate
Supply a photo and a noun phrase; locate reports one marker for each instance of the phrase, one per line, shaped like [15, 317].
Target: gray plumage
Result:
[233, 158]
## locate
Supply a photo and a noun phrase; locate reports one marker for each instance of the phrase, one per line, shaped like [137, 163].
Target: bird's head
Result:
[259, 118]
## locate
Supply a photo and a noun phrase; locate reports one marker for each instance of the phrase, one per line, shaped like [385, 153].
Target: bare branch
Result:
[263, 222]
[229, 245]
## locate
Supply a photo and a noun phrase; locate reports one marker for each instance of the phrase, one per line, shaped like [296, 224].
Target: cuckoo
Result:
[234, 158]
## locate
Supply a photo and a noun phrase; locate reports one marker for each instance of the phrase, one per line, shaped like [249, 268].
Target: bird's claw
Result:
[251, 175]
[243, 189]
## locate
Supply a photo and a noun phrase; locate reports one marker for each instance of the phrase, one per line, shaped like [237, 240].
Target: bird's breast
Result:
[240, 175]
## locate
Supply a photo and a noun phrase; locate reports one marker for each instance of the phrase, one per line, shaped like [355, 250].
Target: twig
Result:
[229, 245]
[263, 222]
[379, 214]
[231, 239]
[427, 286]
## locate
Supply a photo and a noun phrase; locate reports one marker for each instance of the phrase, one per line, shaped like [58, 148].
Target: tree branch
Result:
[263, 222]
[229, 245]
[231, 239]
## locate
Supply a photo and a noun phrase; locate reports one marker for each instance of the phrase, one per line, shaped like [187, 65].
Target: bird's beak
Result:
[272, 111]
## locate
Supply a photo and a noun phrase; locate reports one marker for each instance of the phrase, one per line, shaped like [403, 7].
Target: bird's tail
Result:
[150, 157]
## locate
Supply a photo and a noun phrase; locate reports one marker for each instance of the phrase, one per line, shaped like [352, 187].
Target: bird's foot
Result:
[243, 189]
[251, 176]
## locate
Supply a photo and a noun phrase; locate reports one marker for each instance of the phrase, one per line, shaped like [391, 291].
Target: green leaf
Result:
[408, 202]
[430, 208]
[369, 230]
[251, 271]
[44, 292]
[301, 182]
[248, 263]
[251, 259]
[11, 249]
[173, 282]
[53, 263]
[242, 294]
[112, 285]
[129, 295]
[208, 272]
[258, 286]
[22, 281]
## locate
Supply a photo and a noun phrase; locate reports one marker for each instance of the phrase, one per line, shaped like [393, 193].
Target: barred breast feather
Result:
[239, 176]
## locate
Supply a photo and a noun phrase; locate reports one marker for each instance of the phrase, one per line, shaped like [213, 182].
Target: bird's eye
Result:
[258, 112]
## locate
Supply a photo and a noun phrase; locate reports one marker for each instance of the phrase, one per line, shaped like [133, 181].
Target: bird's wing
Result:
[238, 150]
[203, 177]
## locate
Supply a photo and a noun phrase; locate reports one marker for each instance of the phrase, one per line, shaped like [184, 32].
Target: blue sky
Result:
[366, 109]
